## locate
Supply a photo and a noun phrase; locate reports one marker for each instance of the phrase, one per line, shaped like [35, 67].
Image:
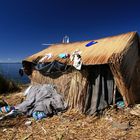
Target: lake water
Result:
[11, 71]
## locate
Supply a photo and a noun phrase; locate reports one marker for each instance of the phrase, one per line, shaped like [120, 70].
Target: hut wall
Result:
[72, 86]
[128, 67]
[123, 66]
[135, 86]
[129, 61]
[88, 90]
[118, 78]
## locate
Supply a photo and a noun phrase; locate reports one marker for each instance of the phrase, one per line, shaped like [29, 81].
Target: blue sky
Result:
[26, 24]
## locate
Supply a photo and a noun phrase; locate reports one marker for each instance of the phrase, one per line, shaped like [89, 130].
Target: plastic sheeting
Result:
[100, 89]
[51, 68]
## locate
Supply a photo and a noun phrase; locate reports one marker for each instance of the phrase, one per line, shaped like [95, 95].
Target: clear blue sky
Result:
[26, 24]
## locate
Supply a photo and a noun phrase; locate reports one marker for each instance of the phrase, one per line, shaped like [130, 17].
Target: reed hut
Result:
[109, 72]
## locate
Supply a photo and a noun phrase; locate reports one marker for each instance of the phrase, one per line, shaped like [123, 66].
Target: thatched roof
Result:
[98, 53]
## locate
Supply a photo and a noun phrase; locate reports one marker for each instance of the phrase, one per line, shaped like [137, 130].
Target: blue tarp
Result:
[90, 43]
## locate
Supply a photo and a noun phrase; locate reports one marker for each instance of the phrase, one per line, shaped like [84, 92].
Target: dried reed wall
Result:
[135, 86]
[123, 67]
[72, 86]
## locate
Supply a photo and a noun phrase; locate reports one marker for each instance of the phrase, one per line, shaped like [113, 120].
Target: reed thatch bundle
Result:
[99, 53]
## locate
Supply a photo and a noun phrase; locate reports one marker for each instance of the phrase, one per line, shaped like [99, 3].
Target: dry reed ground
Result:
[71, 125]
